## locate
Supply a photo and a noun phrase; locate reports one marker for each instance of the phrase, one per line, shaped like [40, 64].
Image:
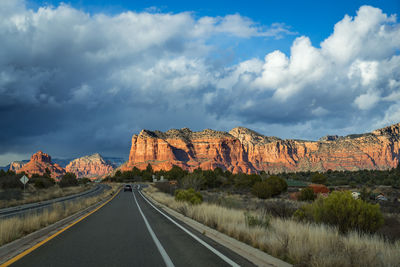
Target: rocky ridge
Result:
[38, 164]
[244, 150]
[90, 166]
[16, 165]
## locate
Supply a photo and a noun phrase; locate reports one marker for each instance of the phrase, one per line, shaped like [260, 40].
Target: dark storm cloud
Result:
[73, 83]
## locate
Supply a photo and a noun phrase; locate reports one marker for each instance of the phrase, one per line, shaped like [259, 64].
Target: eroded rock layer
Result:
[39, 163]
[243, 150]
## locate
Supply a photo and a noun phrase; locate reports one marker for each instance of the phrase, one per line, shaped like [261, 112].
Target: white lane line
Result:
[219, 254]
[161, 249]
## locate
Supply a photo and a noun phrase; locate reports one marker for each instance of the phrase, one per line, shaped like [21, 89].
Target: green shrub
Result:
[318, 178]
[246, 181]
[261, 190]
[189, 195]
[69, 179]
[193, 180]
[306, 194]
[340, 209]
[270, 187]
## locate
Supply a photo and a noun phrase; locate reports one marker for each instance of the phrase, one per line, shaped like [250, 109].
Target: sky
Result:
[80, 77]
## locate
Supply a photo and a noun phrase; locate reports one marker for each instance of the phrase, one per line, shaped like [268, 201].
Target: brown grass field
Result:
[302, 244]
[33, 195]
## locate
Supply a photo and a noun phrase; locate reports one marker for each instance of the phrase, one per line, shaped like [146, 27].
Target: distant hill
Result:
[90, 166]
[113, 161]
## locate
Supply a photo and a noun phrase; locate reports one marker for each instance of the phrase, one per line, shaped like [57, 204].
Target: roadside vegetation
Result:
[305, 218]
[299, 242]
[17, 227]
[39, 188]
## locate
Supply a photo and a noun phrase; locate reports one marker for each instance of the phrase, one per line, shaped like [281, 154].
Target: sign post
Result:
[24, 180]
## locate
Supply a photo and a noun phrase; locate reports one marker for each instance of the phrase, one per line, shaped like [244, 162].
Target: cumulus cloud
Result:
[351, 79]
[75, 83]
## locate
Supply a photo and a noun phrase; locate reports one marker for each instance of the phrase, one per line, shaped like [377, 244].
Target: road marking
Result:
[219, 254]
[29, 250]
[161, 249]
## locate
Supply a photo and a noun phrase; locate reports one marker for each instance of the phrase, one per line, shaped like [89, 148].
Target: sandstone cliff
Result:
[90, 166]
[38, 164]
[243, 150]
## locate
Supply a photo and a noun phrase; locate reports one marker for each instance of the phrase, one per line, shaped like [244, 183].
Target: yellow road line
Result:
[26, 252]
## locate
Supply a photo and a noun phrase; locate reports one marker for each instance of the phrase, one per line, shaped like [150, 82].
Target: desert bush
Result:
[69, 179]
[306, 194]
[272, 186]
[340, 209]
[189, 195]
[261, 190]
[280, 208]
[42, 182]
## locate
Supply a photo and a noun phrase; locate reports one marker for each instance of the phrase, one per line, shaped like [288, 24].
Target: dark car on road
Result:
[127, 187]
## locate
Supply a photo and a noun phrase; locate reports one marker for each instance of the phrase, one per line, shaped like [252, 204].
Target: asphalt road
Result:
[128, 231]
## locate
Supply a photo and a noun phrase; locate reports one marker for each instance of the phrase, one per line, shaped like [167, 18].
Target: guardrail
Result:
[22, 209]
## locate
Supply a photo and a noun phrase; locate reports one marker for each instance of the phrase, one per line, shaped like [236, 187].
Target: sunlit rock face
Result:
[38, 164]
[90, 166]
[243, 150]
[16, 165]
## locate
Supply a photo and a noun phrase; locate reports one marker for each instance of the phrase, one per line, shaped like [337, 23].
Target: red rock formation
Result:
[38, 164]
[243, 150]
[16, 165]
[90, 166]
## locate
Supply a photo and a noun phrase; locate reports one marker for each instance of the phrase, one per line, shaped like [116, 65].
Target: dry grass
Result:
[303, 244]
[33, 195]
[17, 227]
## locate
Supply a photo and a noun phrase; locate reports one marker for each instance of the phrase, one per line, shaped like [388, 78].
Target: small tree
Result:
[69, 179]
[149, 169]
[193, 180]
[277, 184]
[175, 173]
[270, 187]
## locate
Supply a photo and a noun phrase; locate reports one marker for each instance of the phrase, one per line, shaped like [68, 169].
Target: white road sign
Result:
[24, 179]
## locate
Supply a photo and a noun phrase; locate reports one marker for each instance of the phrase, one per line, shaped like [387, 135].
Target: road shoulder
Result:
[20, 246]
[254, 255]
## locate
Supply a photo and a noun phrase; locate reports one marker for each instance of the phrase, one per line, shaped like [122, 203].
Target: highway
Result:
[130, 231]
